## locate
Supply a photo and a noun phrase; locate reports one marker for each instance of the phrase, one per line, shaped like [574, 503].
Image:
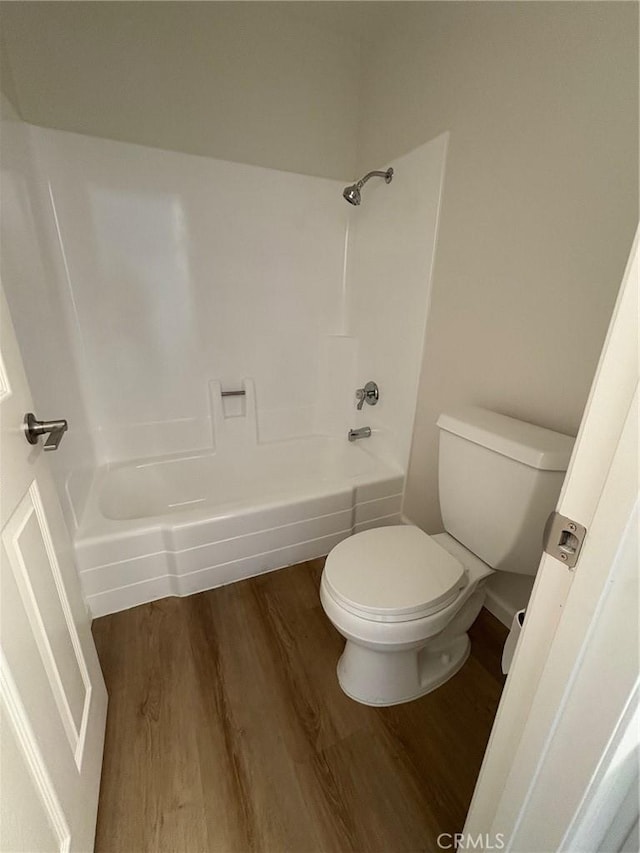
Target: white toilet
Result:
[404, 600]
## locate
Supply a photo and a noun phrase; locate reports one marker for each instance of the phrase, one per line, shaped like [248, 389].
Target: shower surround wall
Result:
[185, 270]
[176, 276]
[392, 241]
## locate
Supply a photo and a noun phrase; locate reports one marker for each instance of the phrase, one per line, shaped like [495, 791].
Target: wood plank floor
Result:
[227, 730]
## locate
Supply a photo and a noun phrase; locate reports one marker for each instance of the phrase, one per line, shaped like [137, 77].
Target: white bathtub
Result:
[179, 525]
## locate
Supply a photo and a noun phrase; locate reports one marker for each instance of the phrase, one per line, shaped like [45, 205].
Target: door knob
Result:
[33, 429]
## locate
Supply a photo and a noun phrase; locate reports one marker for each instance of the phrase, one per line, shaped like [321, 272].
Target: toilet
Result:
[404, 600]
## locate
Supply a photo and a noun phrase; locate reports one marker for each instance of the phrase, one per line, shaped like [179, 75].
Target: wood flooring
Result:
[227, 731]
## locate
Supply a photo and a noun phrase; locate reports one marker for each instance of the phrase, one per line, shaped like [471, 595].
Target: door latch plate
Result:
[563, 538]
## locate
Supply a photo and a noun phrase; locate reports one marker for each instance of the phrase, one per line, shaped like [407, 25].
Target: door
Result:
[53, 700]
[574, 677]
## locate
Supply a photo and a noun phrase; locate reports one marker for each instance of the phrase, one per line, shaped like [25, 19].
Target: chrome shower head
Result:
[352, 192]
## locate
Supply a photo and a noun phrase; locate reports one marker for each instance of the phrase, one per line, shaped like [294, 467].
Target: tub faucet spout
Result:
[363, 432]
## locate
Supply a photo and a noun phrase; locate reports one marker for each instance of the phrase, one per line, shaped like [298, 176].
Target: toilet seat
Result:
[393, 574]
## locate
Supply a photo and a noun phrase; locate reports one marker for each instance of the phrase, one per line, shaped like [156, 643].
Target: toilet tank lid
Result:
[532, 445]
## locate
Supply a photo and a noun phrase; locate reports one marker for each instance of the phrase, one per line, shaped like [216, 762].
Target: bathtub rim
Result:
[94, 526]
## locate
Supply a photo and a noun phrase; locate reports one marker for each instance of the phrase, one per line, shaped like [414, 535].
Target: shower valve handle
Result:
[369, 394]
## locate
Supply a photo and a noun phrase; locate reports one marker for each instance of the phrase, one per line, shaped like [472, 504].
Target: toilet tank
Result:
[499, 478]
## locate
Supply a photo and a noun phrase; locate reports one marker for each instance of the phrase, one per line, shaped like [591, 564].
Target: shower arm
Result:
[387, 175]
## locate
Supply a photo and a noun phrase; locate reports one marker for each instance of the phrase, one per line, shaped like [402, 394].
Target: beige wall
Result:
[248, 82]
[540, 199]
[8, 97]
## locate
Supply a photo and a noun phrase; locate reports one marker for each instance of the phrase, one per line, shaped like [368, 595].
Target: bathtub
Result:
[179, 525]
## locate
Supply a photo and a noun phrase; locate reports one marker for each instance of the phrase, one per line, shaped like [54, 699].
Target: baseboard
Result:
[501, 609]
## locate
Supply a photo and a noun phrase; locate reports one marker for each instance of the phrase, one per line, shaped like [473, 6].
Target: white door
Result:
[551, 778]
[53, 700]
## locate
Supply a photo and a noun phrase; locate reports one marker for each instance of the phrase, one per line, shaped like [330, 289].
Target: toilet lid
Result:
[393, 574]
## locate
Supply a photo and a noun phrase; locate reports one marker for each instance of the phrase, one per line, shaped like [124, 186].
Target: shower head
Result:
[352, 192]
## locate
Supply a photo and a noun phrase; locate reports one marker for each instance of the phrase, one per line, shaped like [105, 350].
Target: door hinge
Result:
[563, 538]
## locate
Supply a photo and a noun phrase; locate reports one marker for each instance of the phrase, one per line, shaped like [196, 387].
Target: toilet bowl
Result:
[405, 627]
[404, 600]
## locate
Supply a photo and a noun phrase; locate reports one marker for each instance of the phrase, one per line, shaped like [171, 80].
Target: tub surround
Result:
[185, 270]
[178, 278]
[181, 271]
[391, 252]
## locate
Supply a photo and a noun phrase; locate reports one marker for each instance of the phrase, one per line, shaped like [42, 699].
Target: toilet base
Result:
[380, 678]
